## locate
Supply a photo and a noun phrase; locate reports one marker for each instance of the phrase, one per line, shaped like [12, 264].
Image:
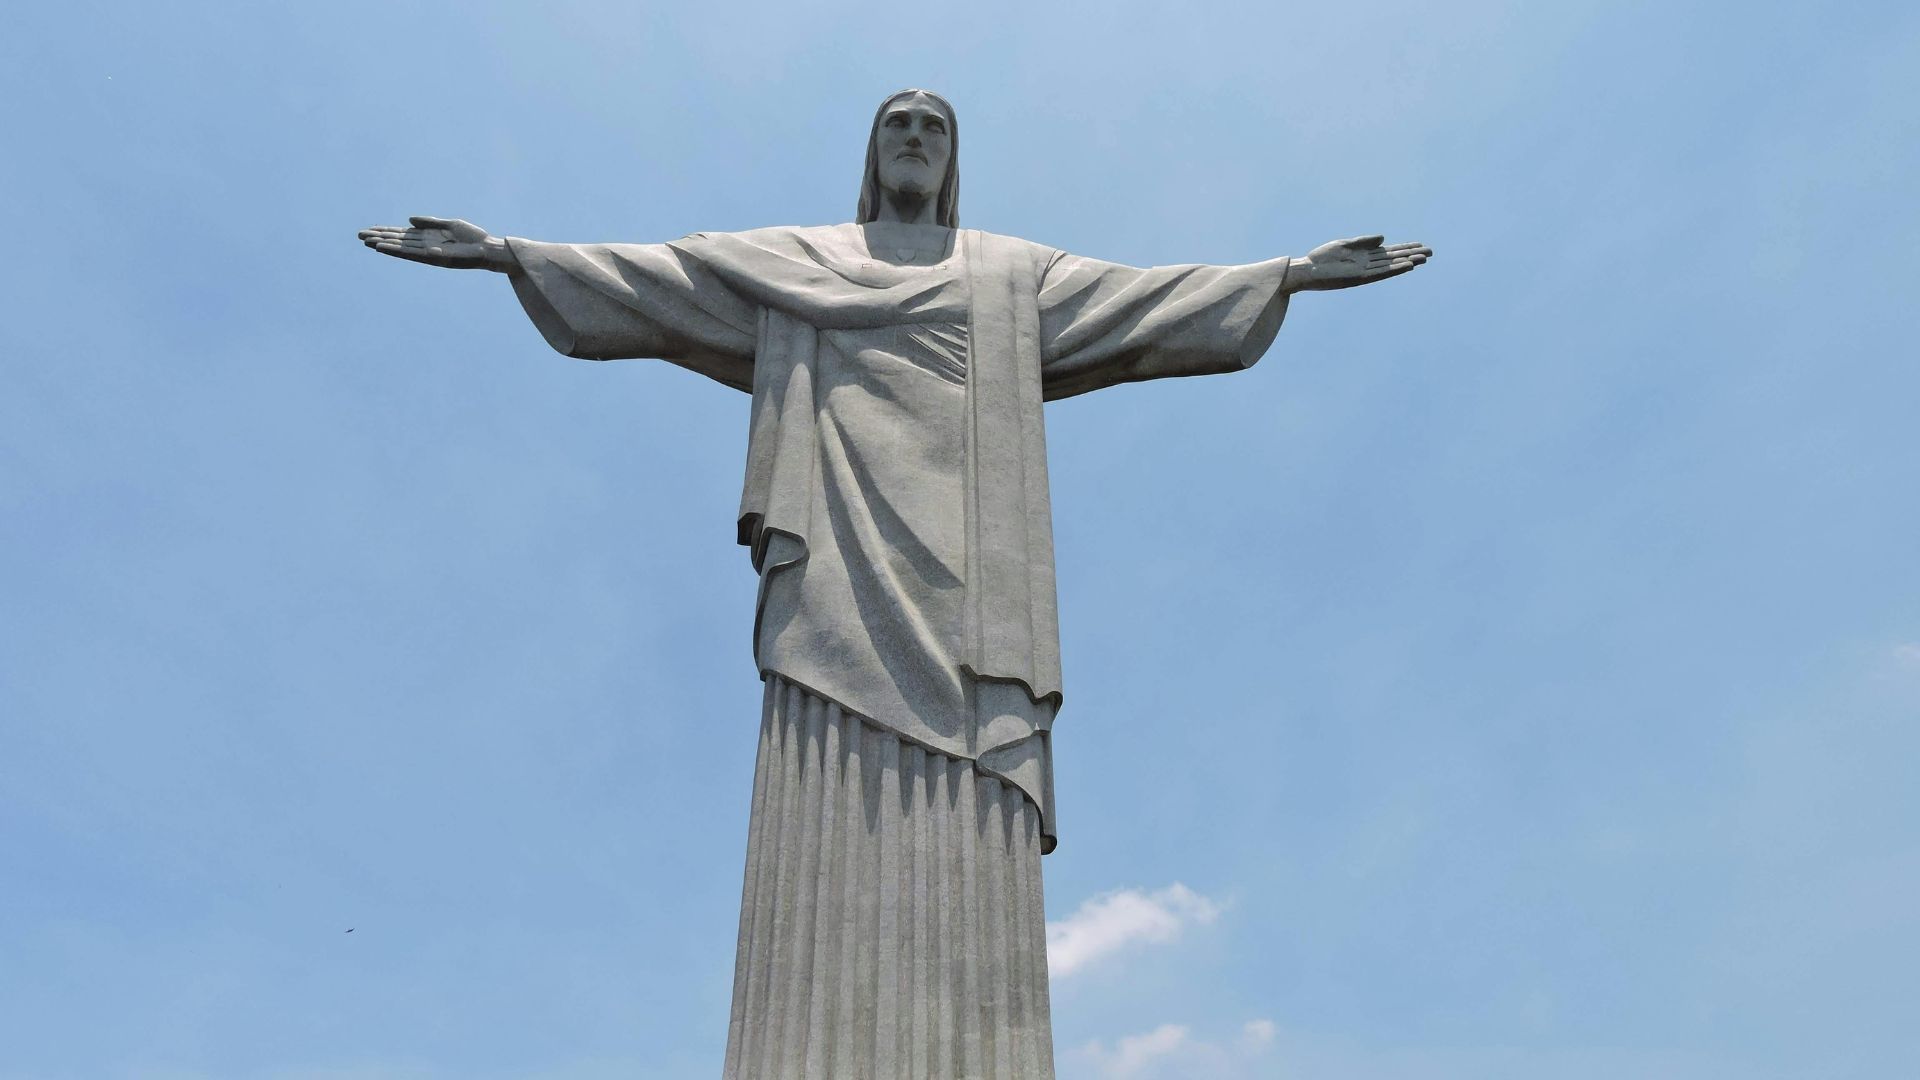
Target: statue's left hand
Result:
[1362, 260]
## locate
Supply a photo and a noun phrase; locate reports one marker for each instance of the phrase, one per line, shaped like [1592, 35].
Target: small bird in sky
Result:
[349, 929]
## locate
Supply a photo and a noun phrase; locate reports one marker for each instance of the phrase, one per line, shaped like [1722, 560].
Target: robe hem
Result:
[1049, 841]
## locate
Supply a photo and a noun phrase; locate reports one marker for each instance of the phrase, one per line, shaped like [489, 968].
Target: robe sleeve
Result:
[629, 301]
[1102, 324]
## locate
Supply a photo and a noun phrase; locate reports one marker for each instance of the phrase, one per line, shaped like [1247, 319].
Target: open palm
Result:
[1362, 260]
[449, 242]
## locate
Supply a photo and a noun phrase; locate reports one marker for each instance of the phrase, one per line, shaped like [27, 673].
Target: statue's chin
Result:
[908, 183]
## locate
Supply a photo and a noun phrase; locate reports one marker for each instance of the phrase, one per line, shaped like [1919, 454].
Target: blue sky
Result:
[1515, 675]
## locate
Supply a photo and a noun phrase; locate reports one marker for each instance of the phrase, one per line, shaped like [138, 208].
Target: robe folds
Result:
[895, 501]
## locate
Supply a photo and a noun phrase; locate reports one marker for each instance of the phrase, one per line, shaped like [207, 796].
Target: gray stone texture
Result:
[895, 506]
[891, 923]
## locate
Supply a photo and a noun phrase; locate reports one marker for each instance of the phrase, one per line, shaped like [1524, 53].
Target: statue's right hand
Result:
[449, 242]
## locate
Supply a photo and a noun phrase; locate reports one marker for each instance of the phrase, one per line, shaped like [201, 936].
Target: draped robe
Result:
[895, 501]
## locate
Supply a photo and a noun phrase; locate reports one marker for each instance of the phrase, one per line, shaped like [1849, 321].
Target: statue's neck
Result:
[905, 209]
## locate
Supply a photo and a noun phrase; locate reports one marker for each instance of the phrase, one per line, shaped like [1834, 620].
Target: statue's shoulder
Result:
[779, 237]
[1003, 241]
[1009, 250]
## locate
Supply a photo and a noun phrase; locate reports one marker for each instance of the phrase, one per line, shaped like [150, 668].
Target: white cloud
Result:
[1118, 920]
[1136, 1053]
[1170, 1052]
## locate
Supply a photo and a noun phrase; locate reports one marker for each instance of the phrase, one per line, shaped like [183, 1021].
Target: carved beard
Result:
[911, 181]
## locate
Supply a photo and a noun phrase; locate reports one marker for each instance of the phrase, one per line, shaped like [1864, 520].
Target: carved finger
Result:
[425, 222]
[428, 255]
[1367, 241]
[1409, 247]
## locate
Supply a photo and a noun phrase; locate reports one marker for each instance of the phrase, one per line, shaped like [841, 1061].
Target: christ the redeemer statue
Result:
[896, 508]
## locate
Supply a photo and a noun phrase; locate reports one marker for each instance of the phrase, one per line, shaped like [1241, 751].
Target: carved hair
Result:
[946, 210]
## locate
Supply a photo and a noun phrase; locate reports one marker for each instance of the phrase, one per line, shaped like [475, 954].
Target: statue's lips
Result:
[906, 155]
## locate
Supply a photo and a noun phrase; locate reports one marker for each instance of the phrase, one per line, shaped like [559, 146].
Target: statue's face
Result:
[914, 146]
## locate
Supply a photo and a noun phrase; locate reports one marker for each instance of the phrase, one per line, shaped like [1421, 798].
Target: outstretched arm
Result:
[600, 301]
[448, 242]
[1102, 324]
[1363, 260]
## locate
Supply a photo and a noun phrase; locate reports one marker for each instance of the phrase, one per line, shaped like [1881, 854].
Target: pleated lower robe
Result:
[891, 924]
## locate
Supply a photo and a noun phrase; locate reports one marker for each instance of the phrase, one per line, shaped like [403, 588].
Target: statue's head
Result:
[914, 150]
